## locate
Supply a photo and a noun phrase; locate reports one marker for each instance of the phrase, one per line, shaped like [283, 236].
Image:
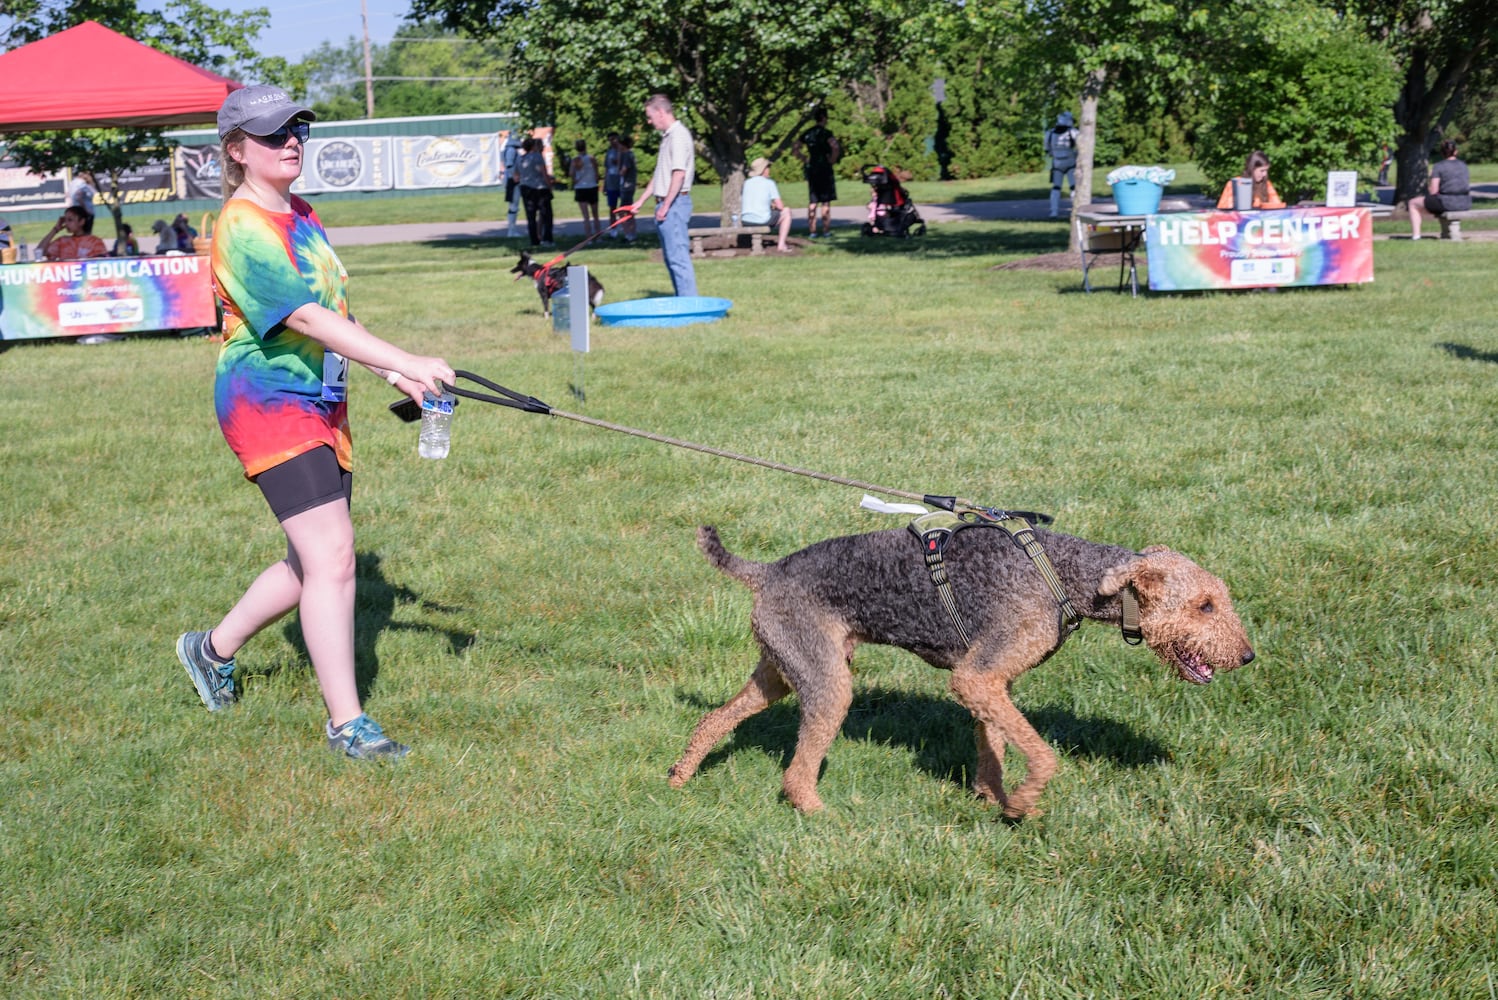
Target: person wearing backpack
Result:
[1061, 147]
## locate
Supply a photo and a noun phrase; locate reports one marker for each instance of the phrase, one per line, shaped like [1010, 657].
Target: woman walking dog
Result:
[279, 392]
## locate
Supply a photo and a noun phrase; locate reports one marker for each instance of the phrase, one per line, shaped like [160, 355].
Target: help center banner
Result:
[1294, 246]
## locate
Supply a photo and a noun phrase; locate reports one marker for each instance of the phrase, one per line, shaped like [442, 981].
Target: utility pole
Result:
[368, 72]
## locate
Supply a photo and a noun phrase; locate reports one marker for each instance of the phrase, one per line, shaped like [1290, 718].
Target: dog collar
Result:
[1128, 619]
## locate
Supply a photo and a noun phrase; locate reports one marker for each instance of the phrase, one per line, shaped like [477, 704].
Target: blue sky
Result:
[299, 26]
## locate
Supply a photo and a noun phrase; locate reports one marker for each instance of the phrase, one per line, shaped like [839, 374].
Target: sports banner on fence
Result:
[148, 182]
[433, 161]
[106, 295]
[20, 188]
[201, 172]
[1293, 246]
[345, 165]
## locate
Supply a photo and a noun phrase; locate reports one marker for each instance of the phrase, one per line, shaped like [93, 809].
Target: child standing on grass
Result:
[280, 396]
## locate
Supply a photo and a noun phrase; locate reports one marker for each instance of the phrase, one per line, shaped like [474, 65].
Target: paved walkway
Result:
[571, 229]
[850, 217]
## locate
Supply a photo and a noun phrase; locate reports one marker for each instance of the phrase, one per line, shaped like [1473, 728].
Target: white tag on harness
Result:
[885, 507]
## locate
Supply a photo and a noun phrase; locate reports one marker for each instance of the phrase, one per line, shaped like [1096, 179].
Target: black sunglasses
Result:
[282, 135]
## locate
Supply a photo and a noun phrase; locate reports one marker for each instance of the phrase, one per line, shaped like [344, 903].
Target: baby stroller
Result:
[891, 212]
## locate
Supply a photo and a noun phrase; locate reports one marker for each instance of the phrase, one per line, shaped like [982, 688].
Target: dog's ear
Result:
[1119, 577]
[1138, 572]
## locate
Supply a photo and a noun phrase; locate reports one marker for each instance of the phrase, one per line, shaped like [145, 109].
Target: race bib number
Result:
[334, 377]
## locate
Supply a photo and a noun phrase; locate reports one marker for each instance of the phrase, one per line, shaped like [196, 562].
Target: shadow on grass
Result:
[1017, 237]
[375, 601]
[1466, 353]
[1027, 237]
[938, 732]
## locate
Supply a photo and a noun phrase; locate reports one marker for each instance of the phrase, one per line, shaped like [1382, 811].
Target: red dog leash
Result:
[625, 214]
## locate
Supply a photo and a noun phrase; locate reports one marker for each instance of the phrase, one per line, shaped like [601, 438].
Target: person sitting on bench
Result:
[1450, 189]
[761, 204]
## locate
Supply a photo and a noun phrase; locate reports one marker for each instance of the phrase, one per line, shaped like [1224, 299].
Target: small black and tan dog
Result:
[549, 281]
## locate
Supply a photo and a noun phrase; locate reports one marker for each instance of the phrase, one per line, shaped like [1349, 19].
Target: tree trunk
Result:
[727, 154]
[113, 200]
[1081, 193]
[1434, 78]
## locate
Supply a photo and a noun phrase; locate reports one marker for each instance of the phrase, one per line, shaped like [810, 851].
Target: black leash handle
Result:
[506, 397]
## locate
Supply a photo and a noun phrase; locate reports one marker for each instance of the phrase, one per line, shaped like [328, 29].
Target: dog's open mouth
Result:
[1190, 664]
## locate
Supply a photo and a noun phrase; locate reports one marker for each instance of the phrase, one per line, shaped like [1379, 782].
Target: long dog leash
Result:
[624, 216]
[933, 530]
[530, 404]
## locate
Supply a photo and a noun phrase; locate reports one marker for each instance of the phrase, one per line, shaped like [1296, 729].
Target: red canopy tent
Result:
[91, 77]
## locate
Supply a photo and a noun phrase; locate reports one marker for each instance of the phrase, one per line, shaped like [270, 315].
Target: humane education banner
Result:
[1294, 246]
[73, 298]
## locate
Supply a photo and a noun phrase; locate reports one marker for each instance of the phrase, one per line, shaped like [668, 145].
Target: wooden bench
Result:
[730, 238]
[1451, 222]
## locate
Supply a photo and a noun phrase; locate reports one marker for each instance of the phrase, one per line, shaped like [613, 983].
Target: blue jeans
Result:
[676, 246]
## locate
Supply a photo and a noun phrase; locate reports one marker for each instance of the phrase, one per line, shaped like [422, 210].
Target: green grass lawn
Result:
[534, 619]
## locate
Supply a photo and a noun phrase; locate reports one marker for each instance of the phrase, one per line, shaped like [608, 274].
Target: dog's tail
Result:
[746, 571]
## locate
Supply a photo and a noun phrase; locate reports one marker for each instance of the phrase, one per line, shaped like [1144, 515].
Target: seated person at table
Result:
[1256, 169]
[761, 204]
[7, 238]
[124, 243]
[166, 237]
[1450, 189]
[185, 233]
[77, 244]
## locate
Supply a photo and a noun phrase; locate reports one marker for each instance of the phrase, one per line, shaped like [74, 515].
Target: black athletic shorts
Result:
[821, 185]
[309, 480]
[1437, 205]
[586, 196]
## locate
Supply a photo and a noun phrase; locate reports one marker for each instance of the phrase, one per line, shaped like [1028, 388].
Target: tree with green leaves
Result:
[424, 70]
[217, 40]
[1304, 86]
[1438, 45]
[741, 75]
[1075, 50]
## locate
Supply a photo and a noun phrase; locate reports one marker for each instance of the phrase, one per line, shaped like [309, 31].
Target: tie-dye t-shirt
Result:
[269, 385]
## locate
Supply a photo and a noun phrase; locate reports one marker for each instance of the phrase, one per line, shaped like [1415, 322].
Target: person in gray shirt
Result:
[1450, 189]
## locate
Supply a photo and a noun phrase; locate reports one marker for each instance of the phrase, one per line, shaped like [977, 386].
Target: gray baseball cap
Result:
[259, 110]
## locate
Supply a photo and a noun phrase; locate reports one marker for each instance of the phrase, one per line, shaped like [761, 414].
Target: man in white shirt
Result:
[761, 204]
[671, 184]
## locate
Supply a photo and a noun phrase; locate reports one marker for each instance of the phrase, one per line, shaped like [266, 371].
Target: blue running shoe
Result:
[214, 681]
[363, 739]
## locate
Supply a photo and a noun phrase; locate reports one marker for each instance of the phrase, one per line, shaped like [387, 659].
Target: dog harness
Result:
[936, 529]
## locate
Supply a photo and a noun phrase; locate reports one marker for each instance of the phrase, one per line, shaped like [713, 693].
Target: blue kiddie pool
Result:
[666, 310]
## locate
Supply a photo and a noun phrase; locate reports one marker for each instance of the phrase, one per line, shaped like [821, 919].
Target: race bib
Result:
[334, 377]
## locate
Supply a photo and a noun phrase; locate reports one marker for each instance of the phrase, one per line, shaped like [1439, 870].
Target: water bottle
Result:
[436, 425]
[735, 220]
[25, 254]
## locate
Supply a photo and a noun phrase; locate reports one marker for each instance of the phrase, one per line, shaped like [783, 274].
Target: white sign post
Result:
[574, 322]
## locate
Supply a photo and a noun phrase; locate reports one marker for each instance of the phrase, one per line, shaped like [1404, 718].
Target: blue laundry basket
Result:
[1137, 197]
